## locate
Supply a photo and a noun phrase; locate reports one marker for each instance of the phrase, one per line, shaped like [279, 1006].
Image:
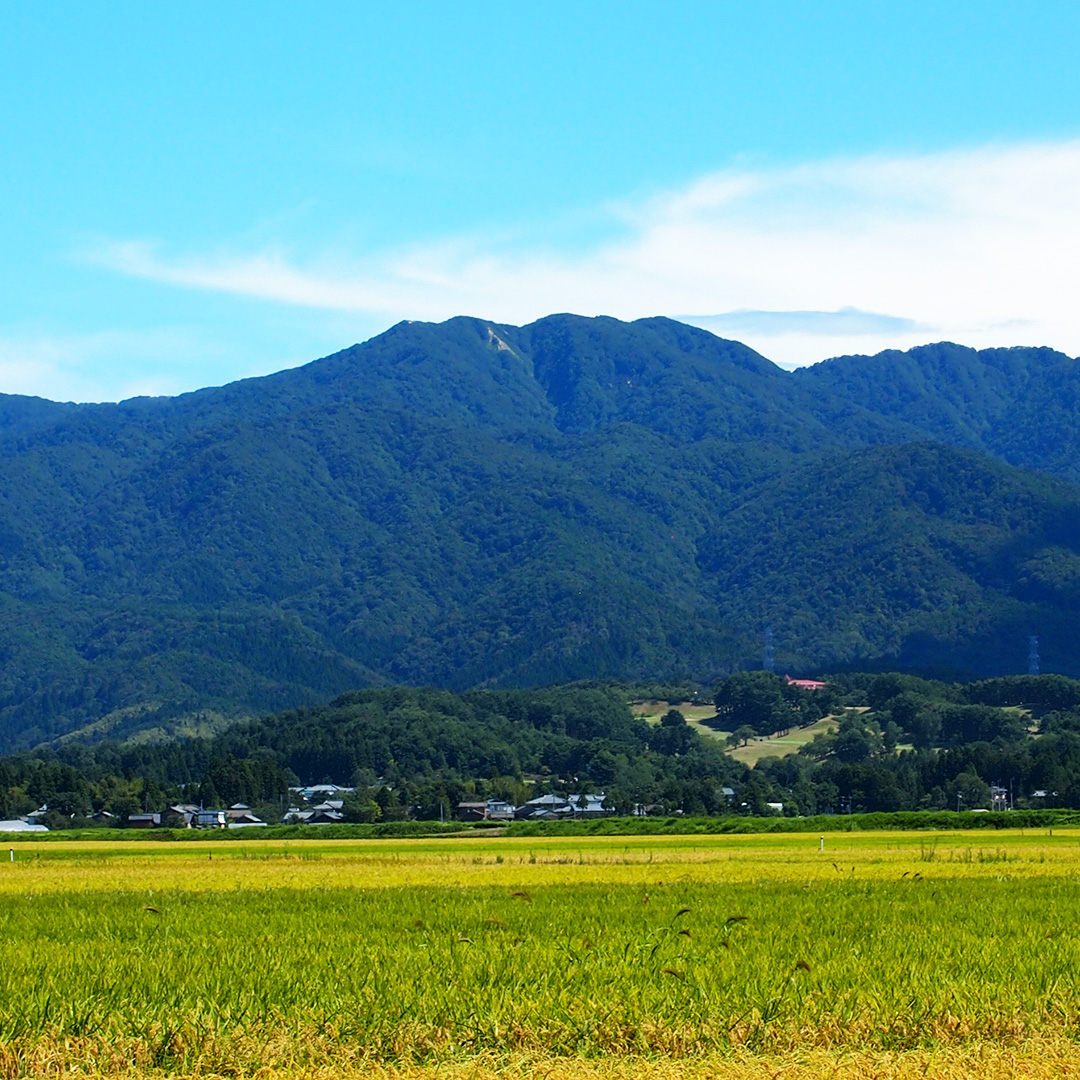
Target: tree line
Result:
[894, 742]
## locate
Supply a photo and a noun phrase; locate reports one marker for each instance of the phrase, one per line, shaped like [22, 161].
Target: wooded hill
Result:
[470, 504]
[897, 742]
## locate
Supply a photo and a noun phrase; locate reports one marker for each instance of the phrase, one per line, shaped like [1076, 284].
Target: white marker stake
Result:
[822, 848]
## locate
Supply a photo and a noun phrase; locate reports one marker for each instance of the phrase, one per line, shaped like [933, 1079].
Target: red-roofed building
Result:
[804, 684]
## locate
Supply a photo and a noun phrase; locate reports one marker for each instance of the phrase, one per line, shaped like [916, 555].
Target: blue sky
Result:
[195, 193]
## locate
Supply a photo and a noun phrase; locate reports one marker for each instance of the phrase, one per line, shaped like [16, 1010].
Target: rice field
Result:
[892, 954]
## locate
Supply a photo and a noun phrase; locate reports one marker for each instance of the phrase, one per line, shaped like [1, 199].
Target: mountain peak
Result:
[471, 503]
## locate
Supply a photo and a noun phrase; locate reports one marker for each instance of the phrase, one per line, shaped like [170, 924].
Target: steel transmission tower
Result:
[1033, 655]
[768, 659]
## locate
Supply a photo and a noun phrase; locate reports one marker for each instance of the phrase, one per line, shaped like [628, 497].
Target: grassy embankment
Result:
[895, 954]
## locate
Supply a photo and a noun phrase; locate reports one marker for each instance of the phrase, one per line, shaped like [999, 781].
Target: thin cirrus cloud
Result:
[843, 323]
[96, 366]
[803, 262]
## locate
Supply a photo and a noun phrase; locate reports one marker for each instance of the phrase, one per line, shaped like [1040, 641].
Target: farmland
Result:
[737, 956]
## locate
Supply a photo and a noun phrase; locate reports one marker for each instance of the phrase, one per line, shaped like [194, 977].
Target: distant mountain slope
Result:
[471, 504]
[19, 415]
[1020, 404]
[918, 555]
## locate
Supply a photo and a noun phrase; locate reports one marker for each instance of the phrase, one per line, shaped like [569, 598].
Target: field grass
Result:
[781, 745]
[891, 954]
[653, 711]
[698, 717]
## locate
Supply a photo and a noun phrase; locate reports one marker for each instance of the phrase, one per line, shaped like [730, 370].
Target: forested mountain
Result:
[1020, 404]
[470, 504]
[918, 555]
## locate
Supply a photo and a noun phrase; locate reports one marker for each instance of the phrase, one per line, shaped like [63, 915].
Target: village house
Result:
[545, 807]
[499, 810]
[239, 816]
[563, 807]
[329, 812]
[320, 792]
[21, 825]
[491, 810]
[804, 684]
[180, 816]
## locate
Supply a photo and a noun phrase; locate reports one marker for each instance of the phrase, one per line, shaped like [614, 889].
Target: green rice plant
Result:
[414, 953]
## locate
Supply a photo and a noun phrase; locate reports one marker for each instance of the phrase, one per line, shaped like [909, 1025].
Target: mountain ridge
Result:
[470, 503]
[995, 400]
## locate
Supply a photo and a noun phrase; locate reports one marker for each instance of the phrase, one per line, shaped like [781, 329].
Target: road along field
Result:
[892, 954]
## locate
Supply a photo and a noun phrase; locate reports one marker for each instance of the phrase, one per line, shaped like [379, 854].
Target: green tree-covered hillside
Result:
[1019, 404]
[470, 504]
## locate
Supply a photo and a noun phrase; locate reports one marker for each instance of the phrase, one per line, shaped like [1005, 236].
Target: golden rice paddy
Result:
[674, 957]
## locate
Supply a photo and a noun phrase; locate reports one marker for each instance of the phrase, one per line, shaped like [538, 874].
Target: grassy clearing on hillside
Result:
[698, 717]
[665, 956]
[781, 745]
[653, 711]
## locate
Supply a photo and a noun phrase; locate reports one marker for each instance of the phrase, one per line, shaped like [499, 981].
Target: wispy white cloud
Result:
[843, 323]
[974, 245]
[101, 366]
